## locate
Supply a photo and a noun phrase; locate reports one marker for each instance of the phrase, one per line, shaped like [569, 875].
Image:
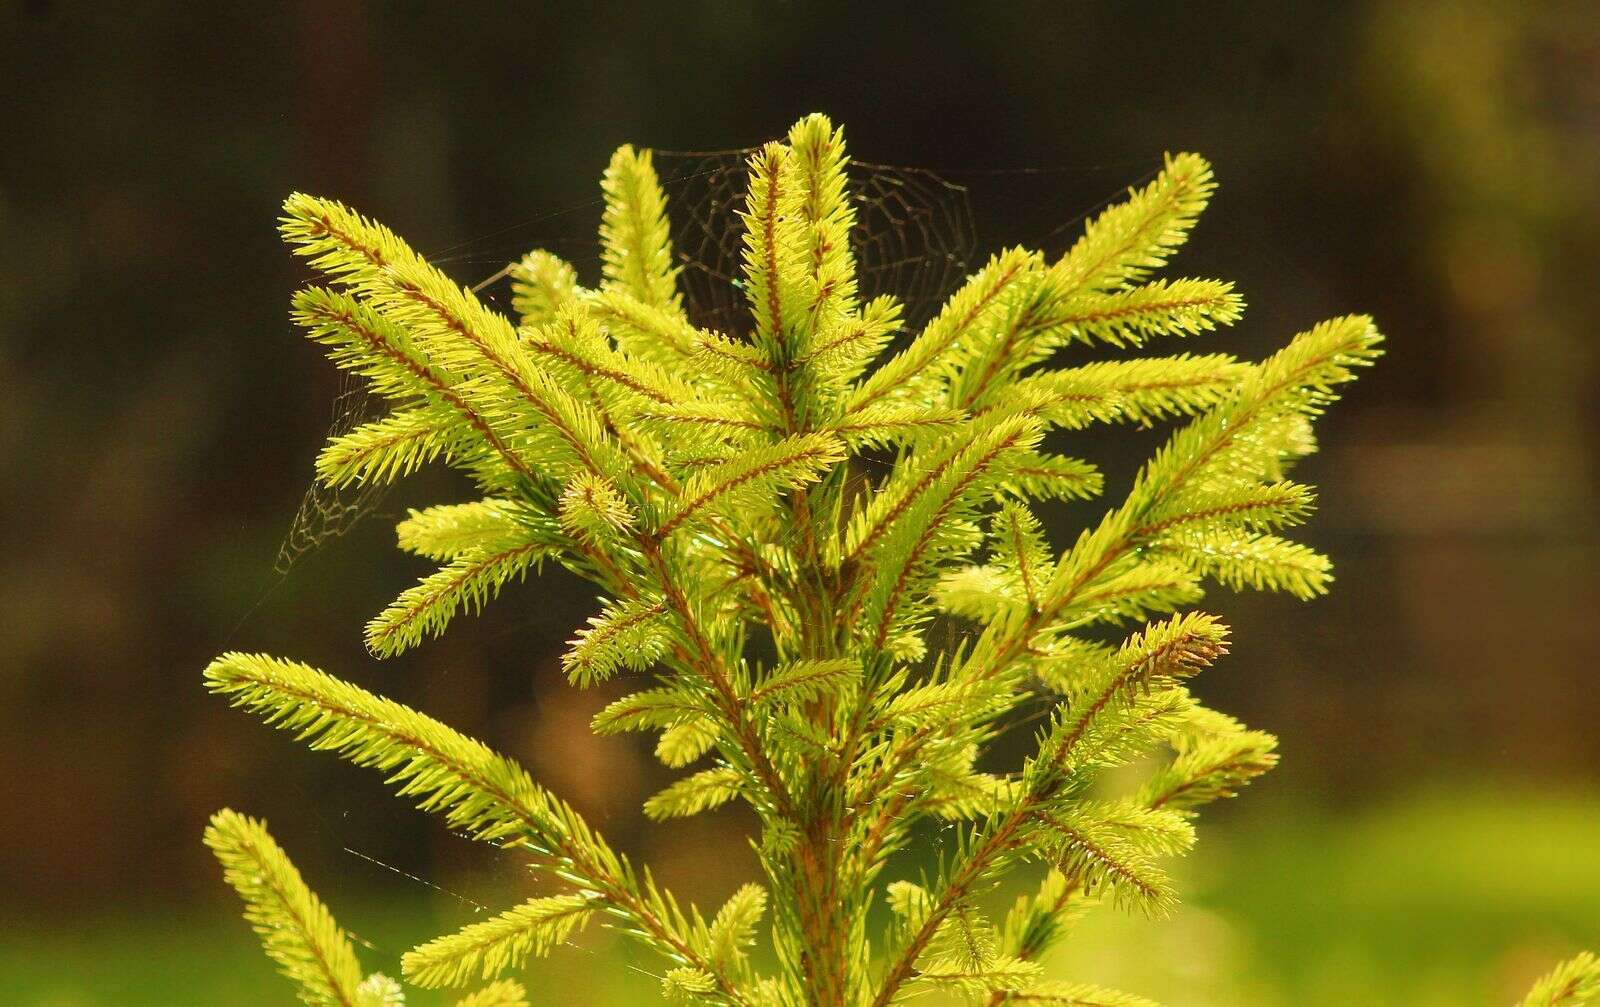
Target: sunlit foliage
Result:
[775, 601]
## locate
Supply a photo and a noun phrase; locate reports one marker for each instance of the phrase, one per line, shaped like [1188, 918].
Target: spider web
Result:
[914, 234]
[327, 513]
[915, 237]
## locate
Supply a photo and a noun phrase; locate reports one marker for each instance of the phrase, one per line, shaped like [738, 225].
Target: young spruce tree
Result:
[710, 484]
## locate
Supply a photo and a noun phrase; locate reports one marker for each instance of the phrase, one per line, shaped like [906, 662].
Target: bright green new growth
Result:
[300, 934]
[1571, 984]
[712, 485]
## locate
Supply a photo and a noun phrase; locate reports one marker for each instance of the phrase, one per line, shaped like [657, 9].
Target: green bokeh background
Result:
[1433, 836]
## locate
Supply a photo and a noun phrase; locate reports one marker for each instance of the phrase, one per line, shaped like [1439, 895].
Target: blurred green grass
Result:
[1452, 896]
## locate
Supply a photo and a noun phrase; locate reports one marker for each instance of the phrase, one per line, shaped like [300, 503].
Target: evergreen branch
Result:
[754, 476]
[735, 360]
[468, 581]
[642, 330]
[455, 329]
[803, 681]
[1023, 548]
[1159, 308]
[688, 739]
[635, 241]
[712, 416]
[707, 789]
[774, 249]
[648, 709]
[936, 909]
[882, 424]
[1102, 851]
[1027, 334]
[687, 985]
[1252, 507]
[295, 928]
[484, 950]
[1301, 376]
[733, 929]
[574, 340]
[542, 284]
[1038, 476]
[956, 791]
[504, 993]
[912, 485]
[449, 531]
[976, 795]
[1037, 921]
[1216, 757]
[1160, 585]
[956, 891]
[842, 350]
[630, 635]
[981, 593]
[1048, 314]
[966, 942]
[364, 341]
[580, 429]
[1136, 391]
[938, 350]
[368, 342]
[1162, 654]
[1298, 378]
[591, 509]
[479, 792]
[1262, 562]
[1154, 659]
[915, 532]
[1126, 242]
[1573, 983]
[384, 450]
[820, 160]
[939, 703]
[704, 659]
[1001, 974]
[963, 955]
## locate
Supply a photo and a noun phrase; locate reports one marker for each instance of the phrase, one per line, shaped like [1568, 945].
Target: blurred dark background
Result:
[1434, 163]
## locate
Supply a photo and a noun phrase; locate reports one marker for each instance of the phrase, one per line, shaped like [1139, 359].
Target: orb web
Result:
[914, 234]
[326, 513]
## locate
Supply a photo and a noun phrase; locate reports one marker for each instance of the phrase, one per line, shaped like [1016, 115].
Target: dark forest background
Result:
[1434, 163]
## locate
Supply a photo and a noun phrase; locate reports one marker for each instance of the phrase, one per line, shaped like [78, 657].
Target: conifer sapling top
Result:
[774, 517]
